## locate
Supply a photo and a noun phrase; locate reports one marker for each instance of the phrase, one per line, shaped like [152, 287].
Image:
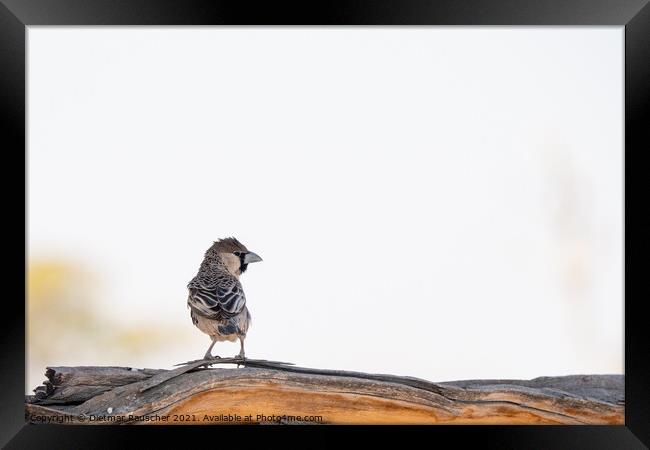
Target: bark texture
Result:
[274, 392]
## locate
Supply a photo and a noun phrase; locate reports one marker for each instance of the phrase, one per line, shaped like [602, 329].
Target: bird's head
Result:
[234, 254]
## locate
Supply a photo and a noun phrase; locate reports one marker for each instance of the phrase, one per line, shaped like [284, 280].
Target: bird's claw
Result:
[239, 358]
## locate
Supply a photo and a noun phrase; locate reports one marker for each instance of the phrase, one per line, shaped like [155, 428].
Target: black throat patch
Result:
[242, 265]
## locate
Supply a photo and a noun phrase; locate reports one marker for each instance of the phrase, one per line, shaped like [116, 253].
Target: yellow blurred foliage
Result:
[58, 298]
[67, 323]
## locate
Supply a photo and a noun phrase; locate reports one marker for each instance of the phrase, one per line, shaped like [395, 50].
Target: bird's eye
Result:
[236, 253]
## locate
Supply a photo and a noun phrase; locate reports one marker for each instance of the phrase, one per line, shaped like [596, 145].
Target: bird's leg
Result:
[241, 351]
[208, 354]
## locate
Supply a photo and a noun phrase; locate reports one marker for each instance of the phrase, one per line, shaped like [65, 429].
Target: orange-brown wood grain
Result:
[288, 394]
[350, 408]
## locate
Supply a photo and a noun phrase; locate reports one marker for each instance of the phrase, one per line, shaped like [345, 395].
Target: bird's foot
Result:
[241, 358]
[209, 356]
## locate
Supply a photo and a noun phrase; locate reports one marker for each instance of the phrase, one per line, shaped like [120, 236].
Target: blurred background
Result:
[444, 203]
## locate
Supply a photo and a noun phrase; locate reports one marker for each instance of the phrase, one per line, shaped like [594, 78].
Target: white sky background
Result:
[444, 203]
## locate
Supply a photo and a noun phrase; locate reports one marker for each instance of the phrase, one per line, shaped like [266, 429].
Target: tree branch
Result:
[277, 392]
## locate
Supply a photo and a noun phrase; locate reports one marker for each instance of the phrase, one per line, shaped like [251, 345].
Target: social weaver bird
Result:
[216, 299]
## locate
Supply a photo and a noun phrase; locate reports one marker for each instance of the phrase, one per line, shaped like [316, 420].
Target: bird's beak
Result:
[251, 257]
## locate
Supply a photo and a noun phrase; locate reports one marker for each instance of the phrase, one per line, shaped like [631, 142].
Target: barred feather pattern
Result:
[217, 300]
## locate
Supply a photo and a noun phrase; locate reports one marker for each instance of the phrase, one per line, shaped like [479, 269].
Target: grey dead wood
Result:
[121, 392]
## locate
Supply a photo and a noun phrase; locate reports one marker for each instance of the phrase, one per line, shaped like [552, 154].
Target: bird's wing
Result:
[220, 299]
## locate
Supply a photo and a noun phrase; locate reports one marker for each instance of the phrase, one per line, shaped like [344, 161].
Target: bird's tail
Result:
[228, 328]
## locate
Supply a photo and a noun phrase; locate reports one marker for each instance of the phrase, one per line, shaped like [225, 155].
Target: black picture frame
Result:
[634, 15]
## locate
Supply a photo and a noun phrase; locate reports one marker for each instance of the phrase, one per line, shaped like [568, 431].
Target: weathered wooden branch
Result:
[275, 392]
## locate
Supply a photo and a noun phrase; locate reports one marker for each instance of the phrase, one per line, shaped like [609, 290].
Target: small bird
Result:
[216, 299]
